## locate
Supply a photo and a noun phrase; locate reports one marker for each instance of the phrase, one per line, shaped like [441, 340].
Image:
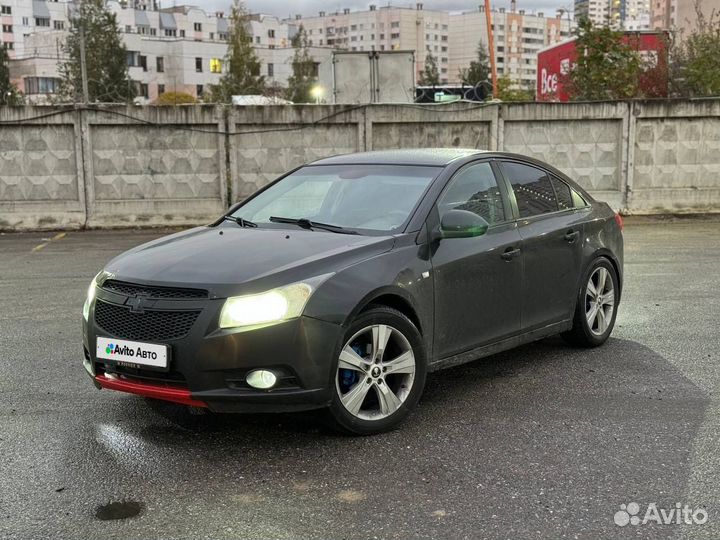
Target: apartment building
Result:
[680, 15]
[596, 11]
[518, 36]
[620, 14]
[385, 28]
[175, 49]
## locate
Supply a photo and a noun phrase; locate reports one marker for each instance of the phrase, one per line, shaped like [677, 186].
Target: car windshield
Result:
[364, 197]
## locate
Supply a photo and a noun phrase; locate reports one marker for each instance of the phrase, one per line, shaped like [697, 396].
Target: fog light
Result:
[261, 379]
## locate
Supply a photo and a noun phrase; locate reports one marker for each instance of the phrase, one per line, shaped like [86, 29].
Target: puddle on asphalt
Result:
[118, 510]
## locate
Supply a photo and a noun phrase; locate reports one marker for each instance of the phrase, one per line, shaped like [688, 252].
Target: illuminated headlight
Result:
[269, 307]
[90, 296]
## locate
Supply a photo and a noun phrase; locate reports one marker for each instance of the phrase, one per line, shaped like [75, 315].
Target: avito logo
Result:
[117, 349]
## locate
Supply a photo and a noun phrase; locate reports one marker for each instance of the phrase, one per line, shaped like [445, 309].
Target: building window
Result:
[59, 25]
[7, 28]
[42, 21]
[197, 27]
[395, 24]
[198, 65]
[215, 65]
[212, 36]
[128, 29]
[270, 70]
[222, 36]
[6, 10]
[144, 91]
[9, 45]
[170, 32]
[395, 36]
[199, 89]
[133, 59]
[353, 27]
[41, 85]
[142, 60]
[257, 40]
[160, 64]
[153, 31]
[26, 21]
[271, 33]
[271, 46]
[161, 89]
[182, 33]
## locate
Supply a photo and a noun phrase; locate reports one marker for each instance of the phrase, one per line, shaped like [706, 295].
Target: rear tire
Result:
[379, 373]
[596, 306]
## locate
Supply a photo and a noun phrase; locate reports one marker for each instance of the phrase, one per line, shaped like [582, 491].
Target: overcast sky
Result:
[288, 8]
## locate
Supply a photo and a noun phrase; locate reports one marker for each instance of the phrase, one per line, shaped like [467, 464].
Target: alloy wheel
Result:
[599, 301]
[376, 370]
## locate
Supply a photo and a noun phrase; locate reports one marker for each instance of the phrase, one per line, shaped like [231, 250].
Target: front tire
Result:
[379, 374]
[596, 307]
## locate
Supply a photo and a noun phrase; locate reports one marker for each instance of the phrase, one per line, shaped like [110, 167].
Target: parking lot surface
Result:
[545, 441]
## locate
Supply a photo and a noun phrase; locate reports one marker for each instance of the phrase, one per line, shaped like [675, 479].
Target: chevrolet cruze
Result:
[342, 284]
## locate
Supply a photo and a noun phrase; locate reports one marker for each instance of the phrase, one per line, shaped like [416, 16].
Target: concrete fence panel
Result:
[41, 177]
[586, 141]
[676, 159]
[431, 126]
[267, 141]
[154, 165]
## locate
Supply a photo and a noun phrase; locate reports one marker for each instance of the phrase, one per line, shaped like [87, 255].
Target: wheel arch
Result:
[389, 297]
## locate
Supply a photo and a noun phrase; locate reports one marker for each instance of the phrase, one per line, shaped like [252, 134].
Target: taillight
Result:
[619, 220]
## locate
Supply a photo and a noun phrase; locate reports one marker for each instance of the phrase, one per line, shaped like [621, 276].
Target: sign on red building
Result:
[554, 63]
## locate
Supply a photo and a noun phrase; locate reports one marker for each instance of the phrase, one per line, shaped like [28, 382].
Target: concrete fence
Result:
[122, 166]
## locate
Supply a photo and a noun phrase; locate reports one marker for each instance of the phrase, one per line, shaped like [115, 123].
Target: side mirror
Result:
[462, 224]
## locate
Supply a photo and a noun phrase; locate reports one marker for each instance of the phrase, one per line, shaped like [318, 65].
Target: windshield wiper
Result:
[307, 224]
[240, 221]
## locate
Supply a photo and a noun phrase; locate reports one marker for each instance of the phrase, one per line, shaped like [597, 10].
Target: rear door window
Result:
[533, 189]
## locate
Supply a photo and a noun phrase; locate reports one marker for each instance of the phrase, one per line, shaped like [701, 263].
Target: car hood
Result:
[223, 259]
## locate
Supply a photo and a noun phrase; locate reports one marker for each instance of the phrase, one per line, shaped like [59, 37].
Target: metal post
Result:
[491, 48]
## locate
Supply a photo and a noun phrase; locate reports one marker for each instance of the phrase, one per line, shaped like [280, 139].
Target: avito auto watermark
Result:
[680, 514]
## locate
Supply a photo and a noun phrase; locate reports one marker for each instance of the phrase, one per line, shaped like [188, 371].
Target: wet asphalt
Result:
[544, 441]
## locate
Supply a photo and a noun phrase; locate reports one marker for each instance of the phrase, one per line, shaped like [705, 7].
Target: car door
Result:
[551, 233]
[476, 280]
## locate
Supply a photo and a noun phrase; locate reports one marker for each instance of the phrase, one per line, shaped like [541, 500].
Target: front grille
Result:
[120, 322]
[133, 289]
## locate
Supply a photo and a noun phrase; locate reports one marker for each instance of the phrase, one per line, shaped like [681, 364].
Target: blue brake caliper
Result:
[348, 377]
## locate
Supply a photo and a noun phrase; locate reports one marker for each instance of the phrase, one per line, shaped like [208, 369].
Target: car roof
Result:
[416, 156]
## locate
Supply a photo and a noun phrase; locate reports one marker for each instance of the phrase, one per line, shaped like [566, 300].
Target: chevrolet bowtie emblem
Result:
[138, 303]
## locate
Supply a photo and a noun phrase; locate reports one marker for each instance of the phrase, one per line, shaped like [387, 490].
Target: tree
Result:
[605, 68]
[105, 57]
[479, 71]
[506, 90]
[242, 75]
[695, 58]
[430, 75]
[175, 98]
[303, 77]
[9, 94]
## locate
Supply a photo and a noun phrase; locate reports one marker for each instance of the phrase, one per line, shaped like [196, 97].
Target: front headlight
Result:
[90, 296]
[269, 307]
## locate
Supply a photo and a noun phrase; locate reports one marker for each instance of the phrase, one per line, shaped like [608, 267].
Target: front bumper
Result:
[208, 367]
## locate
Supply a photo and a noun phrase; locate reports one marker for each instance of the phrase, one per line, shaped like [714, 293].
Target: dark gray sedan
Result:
[341, 284]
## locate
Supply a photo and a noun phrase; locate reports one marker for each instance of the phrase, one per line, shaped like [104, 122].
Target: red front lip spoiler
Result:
[156, 391]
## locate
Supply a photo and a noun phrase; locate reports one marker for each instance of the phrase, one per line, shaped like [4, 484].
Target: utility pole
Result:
[491, 48]
[83, 65]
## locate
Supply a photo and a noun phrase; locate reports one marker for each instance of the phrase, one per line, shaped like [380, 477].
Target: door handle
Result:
[510, 253]
[571, 236]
